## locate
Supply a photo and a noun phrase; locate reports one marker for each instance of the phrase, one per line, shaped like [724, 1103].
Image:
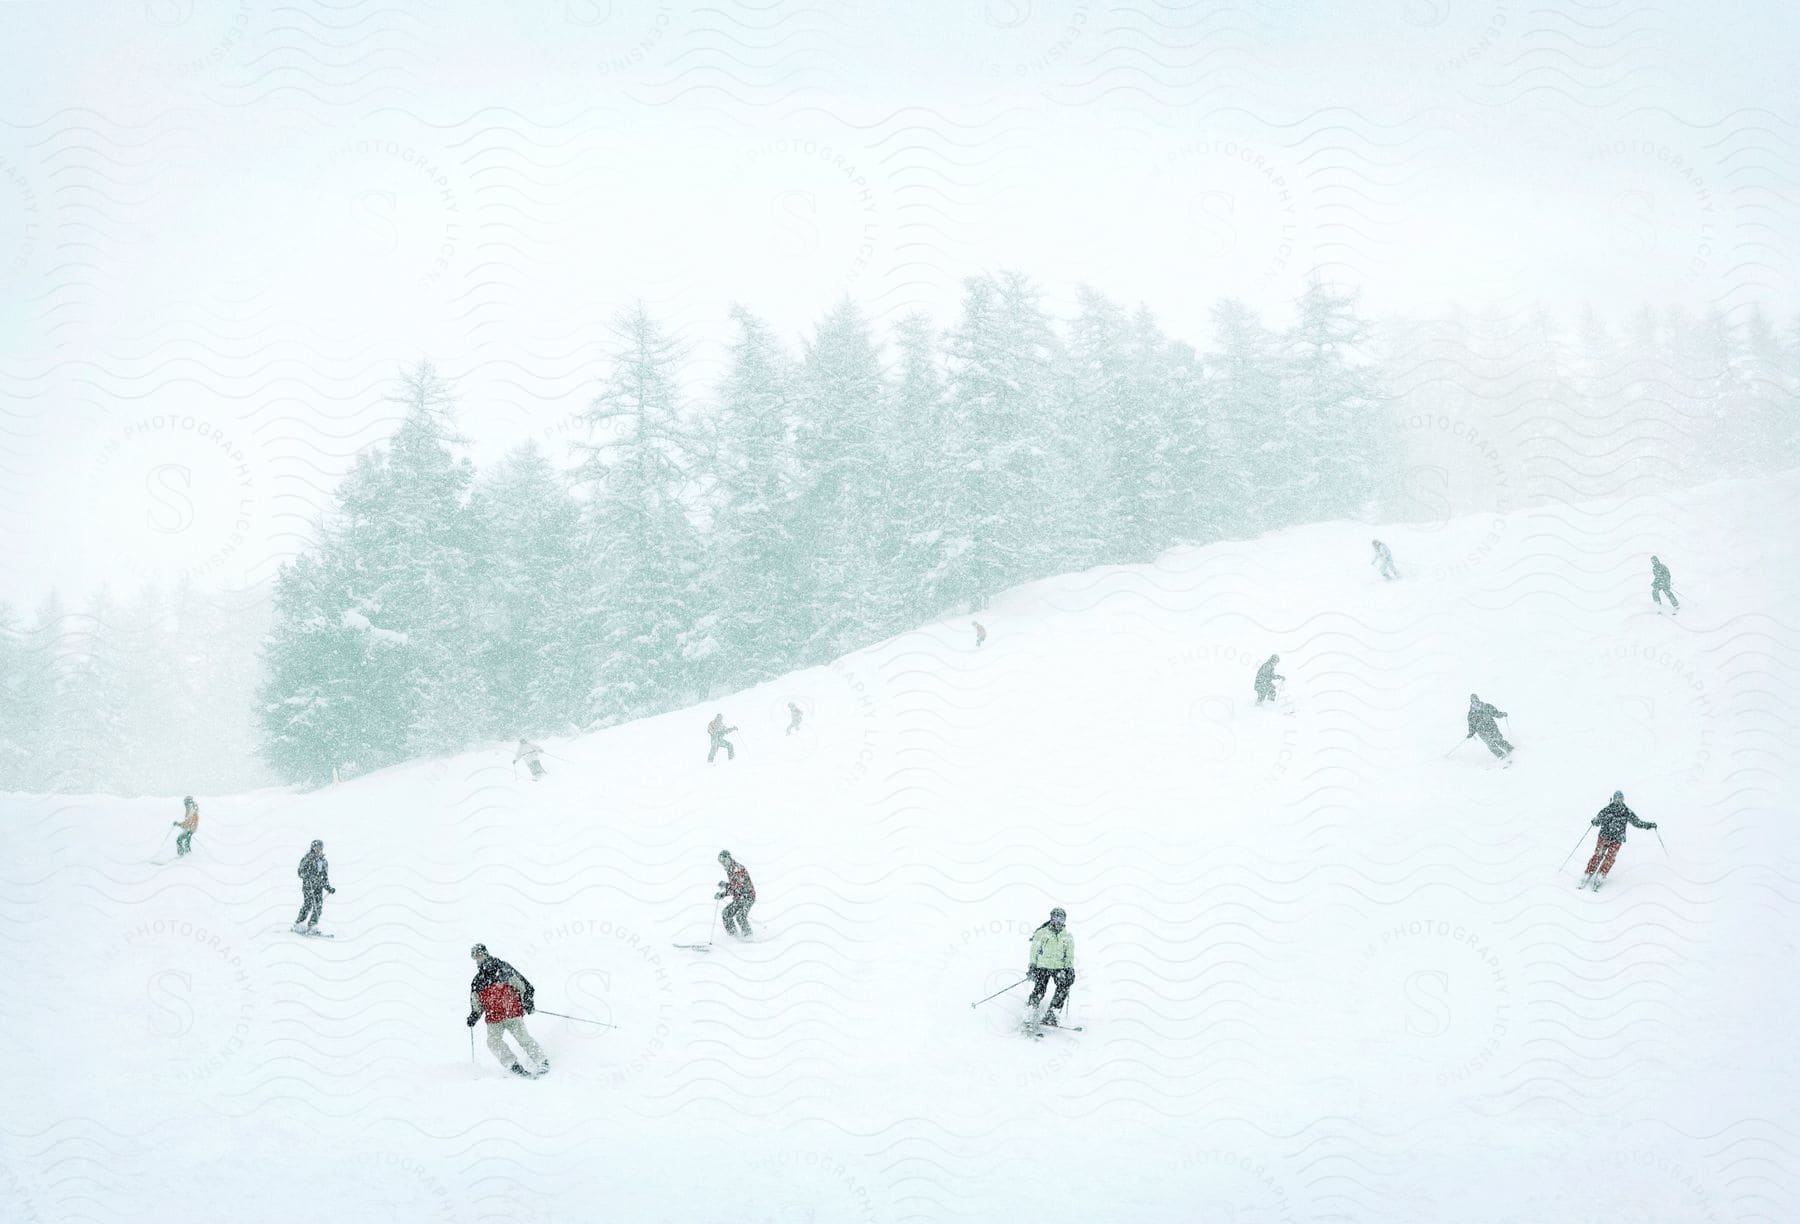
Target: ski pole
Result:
[471, 1045]
[163, 842]
[1459, 744]
[1661, 842]
[1571, 853]
[582, 1019]
[714, 925]
[998, 993]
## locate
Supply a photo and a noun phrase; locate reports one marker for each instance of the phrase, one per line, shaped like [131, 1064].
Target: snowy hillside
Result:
[1328, 967]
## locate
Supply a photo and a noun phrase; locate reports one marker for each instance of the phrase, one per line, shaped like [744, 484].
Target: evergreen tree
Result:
[1258, 461]
[758, 562]
[849, 483]
[652, 643]
[1002, 528]
[534, 587]
[917, 513]
[1338, 409]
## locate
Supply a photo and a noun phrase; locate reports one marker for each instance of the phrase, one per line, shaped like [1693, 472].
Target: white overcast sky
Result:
[224, 224]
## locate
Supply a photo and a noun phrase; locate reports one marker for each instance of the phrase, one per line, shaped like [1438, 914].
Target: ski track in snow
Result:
[1326, 970]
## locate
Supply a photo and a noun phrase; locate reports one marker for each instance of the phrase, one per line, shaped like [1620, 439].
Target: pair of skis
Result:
[1036, 1031]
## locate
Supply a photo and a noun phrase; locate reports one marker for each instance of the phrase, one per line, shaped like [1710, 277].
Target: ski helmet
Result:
[1059, 912]
[1619, 796]
[479, 951]
[317, 844]
[189, 801]
[724, 856]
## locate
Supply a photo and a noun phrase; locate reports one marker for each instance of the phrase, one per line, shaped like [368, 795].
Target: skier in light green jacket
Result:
[1052, 960]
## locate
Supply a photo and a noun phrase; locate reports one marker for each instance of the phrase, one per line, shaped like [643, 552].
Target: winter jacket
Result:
[528, 751]
[192, 821]
[1382, 553]
[1481, 719]
[499, 991]
[737, 883]
[314, 872]
[1659, 574]
[1614, 818]
[1052, 949]
[717, 728]
[1266, 677]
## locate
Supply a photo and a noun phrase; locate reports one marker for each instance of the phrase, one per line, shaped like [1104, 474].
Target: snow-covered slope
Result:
[1328, 967]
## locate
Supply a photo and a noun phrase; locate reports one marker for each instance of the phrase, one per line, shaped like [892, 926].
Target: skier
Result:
[315, 882]
[1481, 722]
[1384, 560]
[504, 995]
[793, 718]
[743, 895]
[1052, 960]
[1613, 820]
[528, 751]
[1266, 678]
[187, 824]
[718, 731]
[1659, 585]
[980, 632]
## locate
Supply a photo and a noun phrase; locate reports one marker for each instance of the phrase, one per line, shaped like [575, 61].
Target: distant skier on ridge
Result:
[502, 994]
[793, 718]
[1613, 820]
[1481, 722]
[1659, 586]
[189, 821]
[1384, 561]
[1266, 678]
[718, 731]
[529, 751]
[980, 633]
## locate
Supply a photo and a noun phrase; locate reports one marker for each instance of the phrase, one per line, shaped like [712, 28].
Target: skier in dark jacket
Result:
[1384, 561]
[1659, 585]
[1613, 820]
[742, 892]
[1266, 678]
[1481, 722]
[718, 731]
[502, 994]
[793, 718]
[315, 882]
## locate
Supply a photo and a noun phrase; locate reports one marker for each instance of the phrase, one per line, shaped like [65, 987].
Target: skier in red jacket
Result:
[743, 895]
[505, 996]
